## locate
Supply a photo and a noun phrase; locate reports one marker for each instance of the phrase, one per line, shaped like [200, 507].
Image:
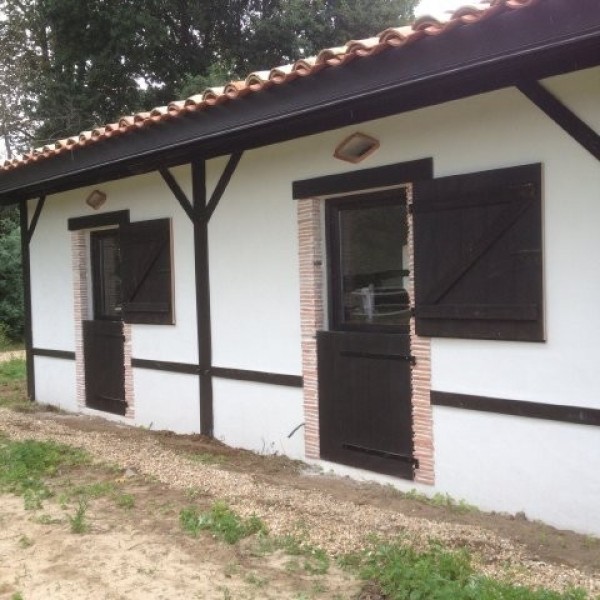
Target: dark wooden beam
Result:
[177, 192]
[203, 321]
[167, 366]
[116, 218]
[62, 354]
[36, 218]
[223, 182]
[24, 221]
[577, 415]
[564, 117]
[258, 377]
[364, 179]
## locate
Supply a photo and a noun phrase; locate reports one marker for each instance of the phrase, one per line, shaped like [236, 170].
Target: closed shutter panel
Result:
[478, 255]
[146, 272]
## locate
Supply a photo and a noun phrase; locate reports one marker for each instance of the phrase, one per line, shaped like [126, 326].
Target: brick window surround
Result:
[82, 312]
[312, 315]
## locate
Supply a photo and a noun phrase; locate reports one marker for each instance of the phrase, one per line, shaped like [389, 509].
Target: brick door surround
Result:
[313, 294]
[82, 294]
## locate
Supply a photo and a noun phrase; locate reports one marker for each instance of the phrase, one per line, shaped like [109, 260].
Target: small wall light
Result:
[356, 147]
[96, 199]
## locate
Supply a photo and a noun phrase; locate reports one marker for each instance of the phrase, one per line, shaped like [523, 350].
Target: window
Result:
[367, 250]
[106, 274]
[478, 255]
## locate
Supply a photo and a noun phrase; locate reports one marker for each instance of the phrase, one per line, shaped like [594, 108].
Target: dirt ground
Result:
[140, 551]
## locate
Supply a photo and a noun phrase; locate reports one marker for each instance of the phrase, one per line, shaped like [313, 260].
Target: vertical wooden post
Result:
[24, 221]
[202, 295]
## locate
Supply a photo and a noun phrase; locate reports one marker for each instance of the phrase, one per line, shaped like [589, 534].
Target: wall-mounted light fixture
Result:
[96, 199]
[356, 147]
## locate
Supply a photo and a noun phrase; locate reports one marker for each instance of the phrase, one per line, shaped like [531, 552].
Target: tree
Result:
[11, 286]
[82, 64]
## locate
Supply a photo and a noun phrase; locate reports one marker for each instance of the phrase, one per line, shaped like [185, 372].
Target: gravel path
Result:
[334, 525]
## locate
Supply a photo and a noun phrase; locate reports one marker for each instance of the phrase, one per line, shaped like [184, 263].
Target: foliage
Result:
[67, 65]
[11, 286]
[438, 574]
[221, 521]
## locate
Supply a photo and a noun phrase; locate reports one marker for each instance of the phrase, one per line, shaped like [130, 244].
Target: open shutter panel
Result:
[478, 255]
[146, 272]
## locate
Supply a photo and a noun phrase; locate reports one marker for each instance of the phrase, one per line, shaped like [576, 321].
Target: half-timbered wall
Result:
[508, 463]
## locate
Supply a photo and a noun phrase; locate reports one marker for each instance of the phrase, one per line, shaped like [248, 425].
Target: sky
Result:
[434, 7]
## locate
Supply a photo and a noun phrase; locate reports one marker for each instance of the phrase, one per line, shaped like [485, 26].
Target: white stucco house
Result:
[375, 260]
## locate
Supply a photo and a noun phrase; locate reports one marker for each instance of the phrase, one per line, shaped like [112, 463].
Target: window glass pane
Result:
[373, 255]
[106, 275]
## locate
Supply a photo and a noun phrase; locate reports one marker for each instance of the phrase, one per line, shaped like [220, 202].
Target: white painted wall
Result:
[147, 197]
[254, 273]
[259, 417]
[55, 382]
[167, 401]
[255, 297]
[545, 469]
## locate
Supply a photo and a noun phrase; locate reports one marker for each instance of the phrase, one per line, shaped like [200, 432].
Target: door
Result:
[103, 339]
[364, 360]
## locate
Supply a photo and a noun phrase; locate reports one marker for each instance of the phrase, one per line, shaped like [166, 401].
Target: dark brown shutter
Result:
[146, 272]
[478, 255]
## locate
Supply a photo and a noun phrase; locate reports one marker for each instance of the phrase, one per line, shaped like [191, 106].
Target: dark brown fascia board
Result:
[492, 54]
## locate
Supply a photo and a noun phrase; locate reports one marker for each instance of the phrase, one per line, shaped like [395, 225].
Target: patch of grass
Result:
[206, 458]
[26, 464]
[441, 500]
[12, 384]
[17, 596]
[47, 520]
[94, 490]
[315, 560]
[402, 573]
[25, 542]
[12, 370]
[221, 521]
[78, 520]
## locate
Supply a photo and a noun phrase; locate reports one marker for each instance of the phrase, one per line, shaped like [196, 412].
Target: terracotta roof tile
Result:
[259, 80]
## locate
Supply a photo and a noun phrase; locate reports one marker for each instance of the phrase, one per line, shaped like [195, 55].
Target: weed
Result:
[206, 458]
[293, 565]
[25, 542]
[221, 521]
[125, 501]
[193, 493]
[436, 574]
[316, 561]
[47, 520]
[256, 580]
[78, 520]
[17, 596]
[32, 498]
